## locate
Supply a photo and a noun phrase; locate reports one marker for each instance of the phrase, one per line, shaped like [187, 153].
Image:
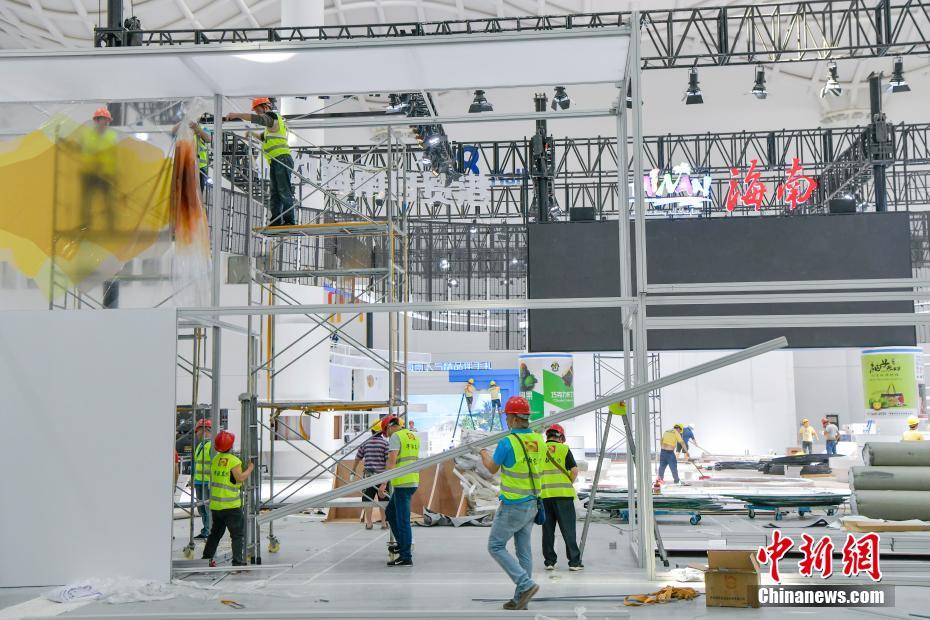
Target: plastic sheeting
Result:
[895, 454]
[893, 505]
[890, 479]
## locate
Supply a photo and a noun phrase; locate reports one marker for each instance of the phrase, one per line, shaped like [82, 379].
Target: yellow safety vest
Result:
[203, 154]
[98, 152]
[275, 143]
[224, 493]
[409, 453]
[554, 481]
[202, 462]
[670, 439]
[495, 393]
[515, 481]
[910, 435]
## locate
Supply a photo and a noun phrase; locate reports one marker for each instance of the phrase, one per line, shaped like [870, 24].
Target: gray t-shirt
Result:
[831, 432]
[394, 446]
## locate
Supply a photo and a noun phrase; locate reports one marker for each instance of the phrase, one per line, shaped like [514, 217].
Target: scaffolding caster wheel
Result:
[274, 545]
[752, 513]
[189, 552]
[695, 519]
[779, 515]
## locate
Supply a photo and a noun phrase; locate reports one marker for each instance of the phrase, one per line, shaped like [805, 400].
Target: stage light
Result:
[693, 95]
[444, 264]
[832, 85]
[514, 261]
[898, 84]
[480, 104]
[453, 283]
[560, 100]
[758, 89]
[433, 140]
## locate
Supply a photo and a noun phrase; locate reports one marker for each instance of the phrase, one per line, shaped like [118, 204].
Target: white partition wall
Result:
[86, 449]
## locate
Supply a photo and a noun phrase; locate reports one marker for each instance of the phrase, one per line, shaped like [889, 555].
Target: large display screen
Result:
[581, 259]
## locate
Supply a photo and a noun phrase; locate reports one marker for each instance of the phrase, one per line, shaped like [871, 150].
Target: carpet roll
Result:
[893, 505]
[890, 479]
[897, 454]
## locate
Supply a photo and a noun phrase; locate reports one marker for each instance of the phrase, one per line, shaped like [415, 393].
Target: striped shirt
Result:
[374, 453]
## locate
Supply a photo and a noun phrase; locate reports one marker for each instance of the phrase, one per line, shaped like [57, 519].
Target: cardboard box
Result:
[732, 579]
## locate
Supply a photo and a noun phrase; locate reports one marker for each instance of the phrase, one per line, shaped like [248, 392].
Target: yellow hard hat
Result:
[493, 382]
[913, 421]
[679, 427]
[805, 421]
[376, 427]
[471, 380]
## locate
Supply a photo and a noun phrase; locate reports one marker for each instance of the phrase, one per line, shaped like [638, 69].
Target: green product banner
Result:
[547, 383]
[889, 380]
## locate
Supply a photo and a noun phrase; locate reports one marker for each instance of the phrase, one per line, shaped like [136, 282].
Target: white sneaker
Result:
[550, 566]
[576, 568]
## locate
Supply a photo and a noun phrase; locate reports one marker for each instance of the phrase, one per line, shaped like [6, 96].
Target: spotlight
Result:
[560, 99]
[514, 261]
[444, 264]
[453, 283]
[758, 89]
[693, 95]
[898, 84]
[433, 140]
[480, 104]
[832, 85]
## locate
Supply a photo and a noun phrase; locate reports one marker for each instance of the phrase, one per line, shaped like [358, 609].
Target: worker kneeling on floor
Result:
[226, 478]
[558, 494]
[519, 458]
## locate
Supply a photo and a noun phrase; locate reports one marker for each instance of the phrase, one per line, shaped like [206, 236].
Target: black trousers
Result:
[282, 195]
[561, 511]
[233, 520]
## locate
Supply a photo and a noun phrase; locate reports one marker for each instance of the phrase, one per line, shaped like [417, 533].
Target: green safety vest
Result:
[98, 152]
[224, 493]
[202, 463]
[515, 481]
[409, 453]
[275, 144]
[203, 153]
[554, 481]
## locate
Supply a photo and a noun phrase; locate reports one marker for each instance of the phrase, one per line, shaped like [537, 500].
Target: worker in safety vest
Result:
[558, 495]
[200, 473]
[670, 440]
[469, 393]
[98, 167]
[519, 458]
[403, 450]
[495, 393]
[226, 478]
[204, 138]
[912, 434]
[280, 162]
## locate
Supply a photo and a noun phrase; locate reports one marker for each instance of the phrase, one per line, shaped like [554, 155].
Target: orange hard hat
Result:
[224, 441]
[259, 101]
[556, 428]
[517, 405]
[103, 113]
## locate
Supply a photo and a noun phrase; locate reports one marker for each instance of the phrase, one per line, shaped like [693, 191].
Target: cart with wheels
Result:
[780, 511]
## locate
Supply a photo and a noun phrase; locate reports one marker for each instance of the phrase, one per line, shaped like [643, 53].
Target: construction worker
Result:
[403, 449]
[373, 453]
[831, 435]
[519, 458]
[808, 434]
[469, 393]
[495, 393]
[688, 436]
[98, 167]
[280, 162]
[558, 495]
[226, 478]
[671, 439]
[204, 137]
[912, 434]
[200, 473]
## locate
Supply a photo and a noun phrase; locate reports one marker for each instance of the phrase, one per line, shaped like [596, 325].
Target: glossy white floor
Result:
[338, 571]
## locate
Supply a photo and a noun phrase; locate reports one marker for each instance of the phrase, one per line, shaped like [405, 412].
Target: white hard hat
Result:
[691, 425]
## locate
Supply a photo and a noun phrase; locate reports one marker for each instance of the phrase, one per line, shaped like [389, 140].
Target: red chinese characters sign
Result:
[860, 556]
[750, 192]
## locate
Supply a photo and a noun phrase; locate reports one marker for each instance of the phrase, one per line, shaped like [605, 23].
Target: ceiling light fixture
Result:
[480, 104]
[898, 84]
[693, 95]
[832, 85]
[560, 100]
[266, 57]
[758, 89]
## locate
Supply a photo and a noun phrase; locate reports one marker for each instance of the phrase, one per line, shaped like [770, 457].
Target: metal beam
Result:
[430, 461]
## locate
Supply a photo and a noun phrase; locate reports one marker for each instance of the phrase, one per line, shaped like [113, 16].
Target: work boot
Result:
[526, 595]
[400, 562]
[510, 605]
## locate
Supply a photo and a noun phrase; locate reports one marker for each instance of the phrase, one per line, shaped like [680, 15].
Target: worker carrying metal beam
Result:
[280, 162]
[518, 457]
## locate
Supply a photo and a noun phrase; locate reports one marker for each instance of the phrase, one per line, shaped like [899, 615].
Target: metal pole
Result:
[249, 429]
[392, 317]
[216, 231]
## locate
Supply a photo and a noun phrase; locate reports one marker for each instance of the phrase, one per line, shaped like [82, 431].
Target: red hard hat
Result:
[556, 428]
[517, 405]
[203, 423]
[224, 441]
[386, 421]
[103, 113]
[259, 101]
[824, 420]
